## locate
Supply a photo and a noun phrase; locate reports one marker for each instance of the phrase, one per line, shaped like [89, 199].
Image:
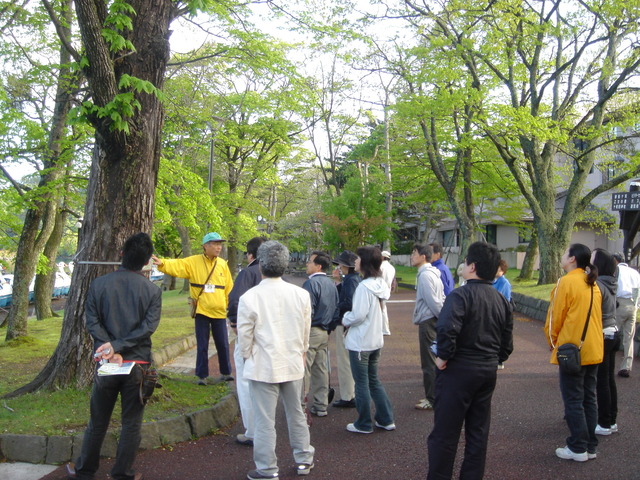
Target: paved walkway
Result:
[527, 426]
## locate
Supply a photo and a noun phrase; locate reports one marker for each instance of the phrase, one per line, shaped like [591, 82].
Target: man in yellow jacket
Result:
[210, 283]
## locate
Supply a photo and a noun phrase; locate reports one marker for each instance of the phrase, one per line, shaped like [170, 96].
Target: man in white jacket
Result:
[389, 275]
[274, 322]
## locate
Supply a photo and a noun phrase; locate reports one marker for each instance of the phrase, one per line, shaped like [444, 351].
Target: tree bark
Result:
[38, 224]
[526, 272]
[45, 283]
[121, 190]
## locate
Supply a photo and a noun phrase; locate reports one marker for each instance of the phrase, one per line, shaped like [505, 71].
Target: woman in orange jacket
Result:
[575, 297]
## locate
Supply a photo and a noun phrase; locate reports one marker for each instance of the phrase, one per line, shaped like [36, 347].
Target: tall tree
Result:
[125, 55]
[334, 118]
[551, 75]
[53, 154]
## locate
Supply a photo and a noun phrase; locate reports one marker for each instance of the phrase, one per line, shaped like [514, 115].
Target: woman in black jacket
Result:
[606, 390]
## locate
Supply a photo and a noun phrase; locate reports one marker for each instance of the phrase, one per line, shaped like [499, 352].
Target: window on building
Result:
[580, 144]
[450, 238]
[524, 234]
[491, 234]
[617, 132]
[613, 169]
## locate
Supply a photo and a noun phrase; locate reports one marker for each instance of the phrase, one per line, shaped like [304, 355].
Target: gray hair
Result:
[273, 258]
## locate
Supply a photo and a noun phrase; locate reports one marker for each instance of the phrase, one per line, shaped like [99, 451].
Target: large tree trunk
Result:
[121, 191]
[233, 258]
[552, 247]
[31, 243]
[526, 272]
[45, 283]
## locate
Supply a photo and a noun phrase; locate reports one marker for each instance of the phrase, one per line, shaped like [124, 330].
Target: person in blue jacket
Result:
[501, 283]
[445, 274]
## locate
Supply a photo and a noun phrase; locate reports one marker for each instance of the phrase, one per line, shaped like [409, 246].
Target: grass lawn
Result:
[67, 411]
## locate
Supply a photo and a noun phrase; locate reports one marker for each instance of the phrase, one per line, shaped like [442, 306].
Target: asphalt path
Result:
[527, 425]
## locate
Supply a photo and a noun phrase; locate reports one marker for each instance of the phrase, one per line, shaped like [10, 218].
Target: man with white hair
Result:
[274, 323]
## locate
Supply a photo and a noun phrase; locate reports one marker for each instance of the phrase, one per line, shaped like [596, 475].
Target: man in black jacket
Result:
[247, 278]
[474, 333]
[122, 311]
[324, 313]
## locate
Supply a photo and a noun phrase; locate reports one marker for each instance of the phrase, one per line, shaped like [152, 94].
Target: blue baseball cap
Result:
[212, 237]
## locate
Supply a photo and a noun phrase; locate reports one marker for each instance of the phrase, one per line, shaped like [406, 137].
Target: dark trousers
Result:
[103, 399]
[606, 389]
[218, 328]
[580, 408]
[463, 396]
[426, 335]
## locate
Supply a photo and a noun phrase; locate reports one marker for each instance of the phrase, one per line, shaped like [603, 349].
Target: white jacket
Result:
[274, 322]
[365, 318]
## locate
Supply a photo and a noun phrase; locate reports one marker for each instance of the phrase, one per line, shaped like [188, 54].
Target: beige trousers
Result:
[345, 378]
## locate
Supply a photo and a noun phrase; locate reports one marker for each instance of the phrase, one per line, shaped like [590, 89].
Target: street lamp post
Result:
[214, 132]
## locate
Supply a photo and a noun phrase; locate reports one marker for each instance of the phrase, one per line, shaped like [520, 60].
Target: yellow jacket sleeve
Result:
[567, 314]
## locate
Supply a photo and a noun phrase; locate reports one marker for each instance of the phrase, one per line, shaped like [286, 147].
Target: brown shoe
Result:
[71, 470]
[624, 373]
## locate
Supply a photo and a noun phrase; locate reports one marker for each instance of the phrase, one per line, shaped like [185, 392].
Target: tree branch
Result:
[62, 31]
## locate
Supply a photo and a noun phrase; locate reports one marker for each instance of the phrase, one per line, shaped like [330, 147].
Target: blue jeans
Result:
[580, 408]
[103, 399]
[364, 368]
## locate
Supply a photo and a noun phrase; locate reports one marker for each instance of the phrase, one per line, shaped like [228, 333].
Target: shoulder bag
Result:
[568, 354]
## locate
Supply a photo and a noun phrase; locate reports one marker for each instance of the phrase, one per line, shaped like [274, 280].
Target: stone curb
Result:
[174, 350]
[530, 306]
[57, 449]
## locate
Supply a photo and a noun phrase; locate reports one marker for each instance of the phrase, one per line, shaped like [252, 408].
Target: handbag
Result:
[568, 354]
[148, 383]
[193, 302]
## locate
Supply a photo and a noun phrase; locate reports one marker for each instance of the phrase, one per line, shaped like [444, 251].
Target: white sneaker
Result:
[352, 428]
[603, 431]
[592, 456]
[566, 454]
[614, 428]
[391, 426]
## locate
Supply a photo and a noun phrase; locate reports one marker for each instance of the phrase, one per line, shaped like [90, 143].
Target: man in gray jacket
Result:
[429, 301]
